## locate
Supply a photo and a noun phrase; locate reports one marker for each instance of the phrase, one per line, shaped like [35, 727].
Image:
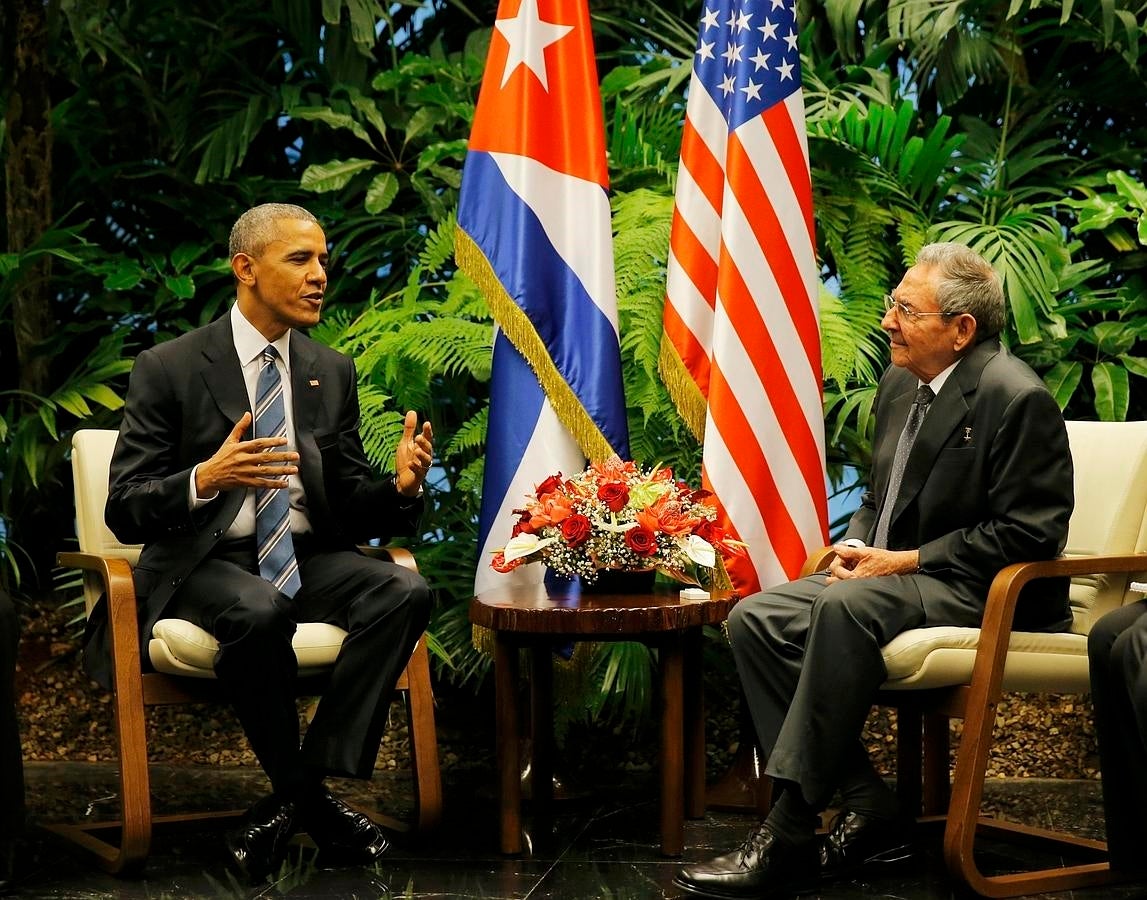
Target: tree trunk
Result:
[28, 183]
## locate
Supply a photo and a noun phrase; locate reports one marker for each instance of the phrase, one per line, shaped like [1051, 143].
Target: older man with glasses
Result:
[970, 471]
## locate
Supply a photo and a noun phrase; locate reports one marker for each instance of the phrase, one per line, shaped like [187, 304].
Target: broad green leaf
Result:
[370, 111]
[1112, 391]
[1128, 188]
[1113, 338]
[72, 402]
[1062, 380]
[334, 119]
[1136, 365]
[422, 121]
[103, 395]
[381, 192]
[322, 178]
[183, 286]
[435, 153]
[9, 262]
[128, 275]
[185, 254]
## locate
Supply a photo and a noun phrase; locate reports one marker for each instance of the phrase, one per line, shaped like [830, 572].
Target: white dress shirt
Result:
[249, 346]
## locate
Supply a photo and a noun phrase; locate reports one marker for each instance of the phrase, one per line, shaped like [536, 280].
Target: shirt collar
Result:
[249, 344]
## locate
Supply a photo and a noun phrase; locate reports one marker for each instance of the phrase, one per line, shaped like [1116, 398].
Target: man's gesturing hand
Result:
[245, 464]
[414, 455]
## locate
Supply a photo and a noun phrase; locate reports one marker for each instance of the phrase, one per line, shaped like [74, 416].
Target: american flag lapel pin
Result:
[314, 382]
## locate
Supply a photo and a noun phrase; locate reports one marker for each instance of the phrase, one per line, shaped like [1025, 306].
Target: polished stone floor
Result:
[602, 844]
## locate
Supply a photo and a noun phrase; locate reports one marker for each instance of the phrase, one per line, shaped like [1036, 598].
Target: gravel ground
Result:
[64, 716]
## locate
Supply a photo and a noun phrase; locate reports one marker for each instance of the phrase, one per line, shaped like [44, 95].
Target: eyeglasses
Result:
[907, 312]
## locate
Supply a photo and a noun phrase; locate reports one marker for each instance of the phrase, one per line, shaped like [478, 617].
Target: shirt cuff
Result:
[194, 501]
[854, 542]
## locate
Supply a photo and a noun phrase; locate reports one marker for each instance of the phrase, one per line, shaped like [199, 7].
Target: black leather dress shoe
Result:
[7, 867]
[260, 844]
[764, 866]
[344, 836]
[854, 840]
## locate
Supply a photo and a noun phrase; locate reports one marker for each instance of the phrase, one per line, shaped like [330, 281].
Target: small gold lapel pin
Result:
[314, 382]
[967, 434]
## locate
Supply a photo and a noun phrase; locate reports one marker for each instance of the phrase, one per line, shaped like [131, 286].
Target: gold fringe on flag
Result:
[521, 332]
[682, 388]
[569, 674]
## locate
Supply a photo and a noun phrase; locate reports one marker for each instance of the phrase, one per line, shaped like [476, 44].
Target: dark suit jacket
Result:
[183, 399]
[988, 481]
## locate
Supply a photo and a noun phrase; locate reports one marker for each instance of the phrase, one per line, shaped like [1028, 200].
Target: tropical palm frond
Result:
[439, 247]
[471, 434]
[449, 346]
[1028, 250]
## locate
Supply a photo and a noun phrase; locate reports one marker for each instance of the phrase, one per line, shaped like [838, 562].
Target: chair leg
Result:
[423, 741]
[964, 817]
[135, 825]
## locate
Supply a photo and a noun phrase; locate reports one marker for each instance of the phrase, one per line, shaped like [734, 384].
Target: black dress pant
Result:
[1117, 651]
[11, 759]
[383, 607]
[808, 655]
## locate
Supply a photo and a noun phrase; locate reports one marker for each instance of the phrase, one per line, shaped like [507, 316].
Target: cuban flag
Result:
[534, 233]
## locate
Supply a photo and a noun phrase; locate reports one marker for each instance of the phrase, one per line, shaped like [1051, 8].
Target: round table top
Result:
[570, 611]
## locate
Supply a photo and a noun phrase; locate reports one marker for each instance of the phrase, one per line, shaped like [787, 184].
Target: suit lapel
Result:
[305, 384]
[306, 397]
[945, 414]
[222, 374]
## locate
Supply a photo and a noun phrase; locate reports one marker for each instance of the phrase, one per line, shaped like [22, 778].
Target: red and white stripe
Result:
[741, 313]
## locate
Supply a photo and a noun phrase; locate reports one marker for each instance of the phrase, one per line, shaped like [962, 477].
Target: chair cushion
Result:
[178, 647]
[924, 658]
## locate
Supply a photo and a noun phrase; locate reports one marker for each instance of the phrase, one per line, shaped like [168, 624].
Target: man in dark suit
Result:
[11, 760]
[971, 471]
[240, 467]
[1117, 655]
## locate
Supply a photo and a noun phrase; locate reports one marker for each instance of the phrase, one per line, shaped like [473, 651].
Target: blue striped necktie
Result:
[277, 561]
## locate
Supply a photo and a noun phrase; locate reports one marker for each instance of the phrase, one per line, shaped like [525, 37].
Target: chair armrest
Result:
[123, 619]
[817, 561]
[1000, 610]
[400, 556]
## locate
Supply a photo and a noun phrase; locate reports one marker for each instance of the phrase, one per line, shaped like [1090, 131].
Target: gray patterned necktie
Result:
[277, 561]
[924, 397]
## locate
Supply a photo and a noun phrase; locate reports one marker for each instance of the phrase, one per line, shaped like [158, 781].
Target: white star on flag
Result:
[727, 85]
[705, 49]
[769, 30]
[743, 21]
[732, 53]
[791, 40]
[786, 70]
[528, 37]
[760, 60]
[709, 20]
[752, 92]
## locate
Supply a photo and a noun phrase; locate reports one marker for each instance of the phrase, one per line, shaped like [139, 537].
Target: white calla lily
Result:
[523, 545]
[700, 551]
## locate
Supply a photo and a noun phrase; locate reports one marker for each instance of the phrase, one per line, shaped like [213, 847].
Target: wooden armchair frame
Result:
[922, 732]
[123, 845]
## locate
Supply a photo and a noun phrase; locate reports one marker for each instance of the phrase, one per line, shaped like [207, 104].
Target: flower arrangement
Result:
[614, 516]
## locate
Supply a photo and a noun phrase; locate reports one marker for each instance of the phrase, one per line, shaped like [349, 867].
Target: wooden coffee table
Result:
[537, 618]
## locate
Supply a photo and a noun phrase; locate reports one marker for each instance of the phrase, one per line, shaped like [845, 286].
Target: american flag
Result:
[741, 353]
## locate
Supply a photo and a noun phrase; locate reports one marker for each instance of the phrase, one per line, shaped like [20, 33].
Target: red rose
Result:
[576, 529]
[523, 523]
[549, 485]
[614, 494]
[641, 541]
[710, 531]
